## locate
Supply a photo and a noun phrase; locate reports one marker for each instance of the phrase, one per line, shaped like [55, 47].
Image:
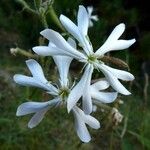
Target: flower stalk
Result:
[26, 7]
[55, 19]
[25, 53]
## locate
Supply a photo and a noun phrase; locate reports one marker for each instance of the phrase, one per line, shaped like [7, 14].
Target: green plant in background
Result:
[127, 131]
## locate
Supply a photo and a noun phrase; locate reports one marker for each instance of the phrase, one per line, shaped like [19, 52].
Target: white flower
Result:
[39, 80]
[87, 56]
[39, 108]
[91, 17]
[80, 120]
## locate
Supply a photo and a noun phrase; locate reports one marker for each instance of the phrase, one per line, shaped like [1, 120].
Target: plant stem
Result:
[106, 107]
[22, 52]
[26, 7]
[44, 22]
[54, 17]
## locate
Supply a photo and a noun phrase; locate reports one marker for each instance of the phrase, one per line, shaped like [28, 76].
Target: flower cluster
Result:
[79, 98]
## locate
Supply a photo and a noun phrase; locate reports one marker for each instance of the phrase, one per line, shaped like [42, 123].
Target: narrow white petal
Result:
[92, 122]
[120, 44]
[117, 32]
[30, 107]
[79, 35]
[88, 119]
[26, 81]
[72, 42]
[114, 82]
[48, 51]
[63, 63]
[70, 26]
[100, 85]
[81, 128]
[94, 108]
[36, 70]
[38, 75]
[94, 17]
[90, 10]
[77, 91]
[113, 44]
[37, 118]
[104, 97]
[30, 81]
[91, 24]
[54, 37]
[83, 20]
[120, 74]
[87, 101]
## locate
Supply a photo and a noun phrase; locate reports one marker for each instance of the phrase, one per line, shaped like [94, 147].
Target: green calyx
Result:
[92, 59]
[63, 93]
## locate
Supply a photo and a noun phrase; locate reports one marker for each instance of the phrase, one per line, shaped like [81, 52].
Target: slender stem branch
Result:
[124, 127]
[26, 7]
[44, 22]
[106, 107]
[22, 52]
[54, 17]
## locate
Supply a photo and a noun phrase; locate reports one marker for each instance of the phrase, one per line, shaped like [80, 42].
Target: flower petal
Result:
[30, 81]
[37, 118]
[36, 70]
[113, 44]
[100, 85]
[83, 20]
[75, 30]
[70, 26]
[117, 32]
[30, 107]
[26, 81]
[54, 37]
[90, 10]
[114, 82]
[80, 127]
[92, 122]
[63, 63]
[120, 74]
[87, 101]
[38, 74]
[94, 17]
[88, 119]
[72, 42]
[77, 91]
[104, 97]
[48, 51]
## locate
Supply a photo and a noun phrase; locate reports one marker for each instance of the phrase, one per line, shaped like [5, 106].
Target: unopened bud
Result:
[116, 116]
[116, 61]
[13, 51]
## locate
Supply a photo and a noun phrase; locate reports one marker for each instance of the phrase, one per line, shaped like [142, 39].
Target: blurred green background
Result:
[19, 28]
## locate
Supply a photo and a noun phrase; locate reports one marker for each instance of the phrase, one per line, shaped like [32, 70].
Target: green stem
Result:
[106, 107]
[54, 17]
[22, 52]
[26, 7]
[44, 22]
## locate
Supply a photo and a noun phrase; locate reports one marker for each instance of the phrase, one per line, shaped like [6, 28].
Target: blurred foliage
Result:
[21, 28]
